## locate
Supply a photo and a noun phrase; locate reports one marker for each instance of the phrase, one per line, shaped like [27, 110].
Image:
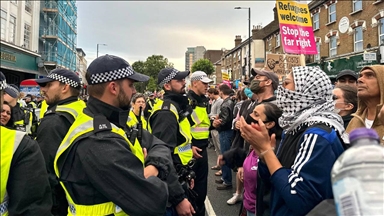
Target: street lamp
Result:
[97, 52]
[249, 37]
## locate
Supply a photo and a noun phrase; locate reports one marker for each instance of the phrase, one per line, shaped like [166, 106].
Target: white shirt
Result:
[368, 123]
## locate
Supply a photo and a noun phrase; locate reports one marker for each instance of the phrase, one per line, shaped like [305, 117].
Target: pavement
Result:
[216, 201]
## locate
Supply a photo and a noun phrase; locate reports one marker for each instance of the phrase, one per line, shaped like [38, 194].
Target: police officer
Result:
[21, 116]
[30, 103]
[168, 122]
[200, 124]
[135, 116]
[149, 105]
[24, 188]
[102, 168]
[61, 89]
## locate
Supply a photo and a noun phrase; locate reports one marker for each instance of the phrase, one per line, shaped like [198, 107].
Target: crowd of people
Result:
[121, 152]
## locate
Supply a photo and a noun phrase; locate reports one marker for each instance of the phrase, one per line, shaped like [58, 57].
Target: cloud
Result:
[136, 30]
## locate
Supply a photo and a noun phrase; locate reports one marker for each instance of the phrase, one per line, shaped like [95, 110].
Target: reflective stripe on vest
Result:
[10, 141]
[83, 125]
[184, 150]
[200, 130]
[74, 108]
[132, 120]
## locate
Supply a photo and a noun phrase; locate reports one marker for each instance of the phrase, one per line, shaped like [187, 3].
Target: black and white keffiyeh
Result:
[311, 101]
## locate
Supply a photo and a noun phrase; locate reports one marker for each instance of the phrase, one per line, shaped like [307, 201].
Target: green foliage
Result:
[151, 68]
[203, 65]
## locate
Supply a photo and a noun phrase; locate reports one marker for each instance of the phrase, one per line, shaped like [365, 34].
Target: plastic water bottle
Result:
[358, 176]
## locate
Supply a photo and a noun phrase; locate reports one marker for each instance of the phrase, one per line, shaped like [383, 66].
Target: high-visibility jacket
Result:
[33, 104]
[132, 120]
[24, 125]
[10, 141]
[151, 103]
[183, 150]
[43, 109]
[74, 108]
[200, 129]
[84, 126]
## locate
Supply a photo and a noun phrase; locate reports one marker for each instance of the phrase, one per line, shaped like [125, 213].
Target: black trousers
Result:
[201, 181]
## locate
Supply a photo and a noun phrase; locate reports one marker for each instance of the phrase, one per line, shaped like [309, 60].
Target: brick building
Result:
[213, 55]
[344, 31]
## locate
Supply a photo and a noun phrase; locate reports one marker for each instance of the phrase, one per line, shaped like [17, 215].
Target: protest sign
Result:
[296, 28]
[282, 64]
[224, 75]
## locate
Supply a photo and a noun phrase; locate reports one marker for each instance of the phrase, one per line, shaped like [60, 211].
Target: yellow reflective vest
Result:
[151, 103]
[132, 120]
[10, 141]
[200, 130]
[74, 108]
[83, 126]
[24, 125]
[183, 150]
[43, 109]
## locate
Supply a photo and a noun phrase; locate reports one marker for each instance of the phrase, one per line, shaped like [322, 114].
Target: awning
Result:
[29, 82]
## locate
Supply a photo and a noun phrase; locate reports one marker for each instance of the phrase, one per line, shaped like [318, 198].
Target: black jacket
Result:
[200, 101]
[165, 126]
[226, 114]
[101, 167]
[51, 131]
[28, 185]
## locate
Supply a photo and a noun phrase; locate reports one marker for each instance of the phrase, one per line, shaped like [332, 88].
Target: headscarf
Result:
[310, 103]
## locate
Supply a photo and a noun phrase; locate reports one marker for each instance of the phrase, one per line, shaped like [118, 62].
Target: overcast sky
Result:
[136, 30]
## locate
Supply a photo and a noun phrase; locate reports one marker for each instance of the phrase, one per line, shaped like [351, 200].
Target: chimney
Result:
[276, 16]
[255, 29]
[237, 40]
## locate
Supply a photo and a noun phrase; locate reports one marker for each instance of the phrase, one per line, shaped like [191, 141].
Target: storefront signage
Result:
[296, 28]
[369, 56]
[7, 57]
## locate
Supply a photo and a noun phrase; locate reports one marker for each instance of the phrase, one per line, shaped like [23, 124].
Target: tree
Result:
[203, 65]
[151, 68]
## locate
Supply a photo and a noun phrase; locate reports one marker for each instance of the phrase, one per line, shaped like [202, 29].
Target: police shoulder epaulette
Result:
[101, 123]
[50, 110]
[166, 105]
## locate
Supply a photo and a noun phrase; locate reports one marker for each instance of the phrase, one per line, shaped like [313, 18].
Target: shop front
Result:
[333, 67]
[18, 64]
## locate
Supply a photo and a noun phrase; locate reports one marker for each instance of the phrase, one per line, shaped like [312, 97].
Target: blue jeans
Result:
[225, 138]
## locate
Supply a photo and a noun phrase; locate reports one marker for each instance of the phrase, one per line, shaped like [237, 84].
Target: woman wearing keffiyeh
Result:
[299, 171]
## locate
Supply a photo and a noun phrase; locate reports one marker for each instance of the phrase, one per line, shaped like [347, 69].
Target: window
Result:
[316, 21]
[28, 6]
[357, 5]
[27, 36]
[332, 46]
[12, 29]
[332, 13]
[381, 31]
[278, 40]
[317, 56]
[270, 44]
[3, 22]
[358, 38]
